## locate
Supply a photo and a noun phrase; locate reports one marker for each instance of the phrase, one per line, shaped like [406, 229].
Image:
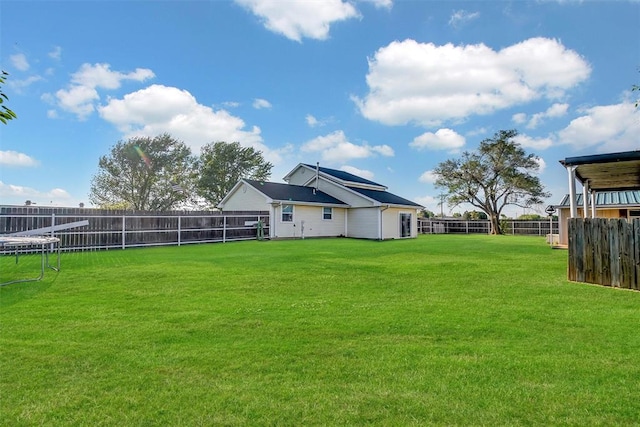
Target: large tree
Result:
[498, 174]
[6, 113]
[145, 174]
[223, 164]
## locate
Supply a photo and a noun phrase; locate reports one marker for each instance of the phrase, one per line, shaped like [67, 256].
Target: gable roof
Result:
[608, 198]
[384, 197]
[293, 193]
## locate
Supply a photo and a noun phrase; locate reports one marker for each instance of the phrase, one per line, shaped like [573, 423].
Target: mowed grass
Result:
[439, 330]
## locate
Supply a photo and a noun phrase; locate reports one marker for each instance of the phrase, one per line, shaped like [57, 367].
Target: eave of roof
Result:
[385, 198]
[612, 171]
[602, 158]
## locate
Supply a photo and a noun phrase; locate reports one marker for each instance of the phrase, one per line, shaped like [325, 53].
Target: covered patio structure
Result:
[602, 250]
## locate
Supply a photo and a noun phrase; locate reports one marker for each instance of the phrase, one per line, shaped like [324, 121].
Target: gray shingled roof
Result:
[345, 176]
[609, 198]
[385, 197]
[294, 193]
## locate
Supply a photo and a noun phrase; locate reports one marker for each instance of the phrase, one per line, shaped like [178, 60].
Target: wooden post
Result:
[627, 267]
[605, 248]
[597, 242]
[614, 251]
[588, 253]
[636, 252]
[224, 229]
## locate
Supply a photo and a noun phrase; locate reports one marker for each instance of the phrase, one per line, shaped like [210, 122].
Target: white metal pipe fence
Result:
[509, 226]
[127, 229]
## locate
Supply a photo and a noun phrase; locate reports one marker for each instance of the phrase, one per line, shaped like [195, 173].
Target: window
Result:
[327, 213]
[287, 213]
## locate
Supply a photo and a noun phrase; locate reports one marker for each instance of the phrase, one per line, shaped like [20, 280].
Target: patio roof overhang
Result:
[606, 172]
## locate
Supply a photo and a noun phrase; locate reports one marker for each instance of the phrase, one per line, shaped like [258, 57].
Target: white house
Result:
[323, 202]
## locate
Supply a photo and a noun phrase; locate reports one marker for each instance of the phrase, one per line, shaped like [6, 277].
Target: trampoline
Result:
[37, 244]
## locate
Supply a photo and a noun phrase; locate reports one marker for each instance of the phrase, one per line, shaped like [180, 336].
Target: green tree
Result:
[6, 113]
[497, 175]
[530, 217]
[474, 215]
[145, 174]
[426, 213]
[223, 164]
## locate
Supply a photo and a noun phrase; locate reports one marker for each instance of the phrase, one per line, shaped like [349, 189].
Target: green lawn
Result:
[439, 330]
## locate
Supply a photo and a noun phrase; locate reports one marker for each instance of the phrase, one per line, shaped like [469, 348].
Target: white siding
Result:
[301, 176]
[363, 223]
[347, 196]
[308, 220]
[284, 229]
[391, 227]
[249, 200]
[315, 226]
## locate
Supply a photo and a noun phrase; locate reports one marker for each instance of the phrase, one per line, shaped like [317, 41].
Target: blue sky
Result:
[385, 89]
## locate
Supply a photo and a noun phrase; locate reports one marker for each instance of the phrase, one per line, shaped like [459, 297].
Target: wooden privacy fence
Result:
[605, 252]
[110, 229]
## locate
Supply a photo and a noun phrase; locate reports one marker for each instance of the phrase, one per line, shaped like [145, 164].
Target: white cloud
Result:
[428, 177]
[519, 118]
[427, 84]
[231, 104]
[101, 76]
[462, 17]
[56, 53]
[82, 94]
[542, 165]
[19, 85]
[362, 173]
[19, 60]
[383, 150]
[18, 194]
[429, 202]
[161, 109]
[311, 121]
[78, 100]
[554, 111]
[443, 139]
[259, 104]
[14, 158]
[607, 127]
[335, 147]
[380, 4]
[298, 19]
[536, 143]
